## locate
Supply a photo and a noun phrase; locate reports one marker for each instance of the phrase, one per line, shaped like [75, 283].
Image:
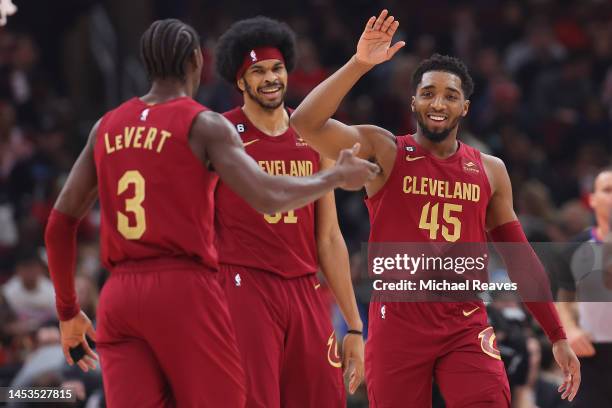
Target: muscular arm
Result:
[76, 198]
[334, 262]
[333, 257]
[213, 139]
[312, 120]
[501, 208]
[523, 265]
[81, 188]
[527, 271]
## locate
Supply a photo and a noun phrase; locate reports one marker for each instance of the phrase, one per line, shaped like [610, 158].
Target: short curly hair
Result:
[245, 35]
[445, 63]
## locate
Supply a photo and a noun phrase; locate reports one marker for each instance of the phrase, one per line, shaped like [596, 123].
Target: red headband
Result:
[256, 55]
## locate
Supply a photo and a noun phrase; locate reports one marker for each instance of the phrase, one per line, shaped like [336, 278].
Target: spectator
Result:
[30, 293]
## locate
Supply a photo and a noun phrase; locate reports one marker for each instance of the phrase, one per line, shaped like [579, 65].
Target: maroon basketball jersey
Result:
[431, 199]
[282, 243]
[155, 194]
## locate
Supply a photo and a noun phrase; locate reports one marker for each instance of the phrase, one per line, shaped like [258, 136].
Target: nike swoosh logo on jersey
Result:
[317, 286]
[245, 144]
[413, 158]
[466, 314]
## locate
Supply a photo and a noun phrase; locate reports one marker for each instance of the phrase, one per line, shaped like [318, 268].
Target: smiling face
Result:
[439, 104]
[265, 83]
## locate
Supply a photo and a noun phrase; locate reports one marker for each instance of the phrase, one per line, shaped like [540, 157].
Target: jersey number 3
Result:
[429, 221]
[132, 205]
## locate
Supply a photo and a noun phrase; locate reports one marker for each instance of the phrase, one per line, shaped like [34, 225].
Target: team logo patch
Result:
[487, 343]
[470, 167]
[332, 355]
[299, 142]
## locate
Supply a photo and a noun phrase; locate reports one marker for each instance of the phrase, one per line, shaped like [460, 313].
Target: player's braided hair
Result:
[445, 63]
[245, 35]
[165, 48]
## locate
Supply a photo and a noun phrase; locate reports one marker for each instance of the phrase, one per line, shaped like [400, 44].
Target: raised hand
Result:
[374, 46]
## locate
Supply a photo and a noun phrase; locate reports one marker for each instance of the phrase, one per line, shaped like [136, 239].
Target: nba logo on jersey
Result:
[144, 114]
[300, 142]
[410, 149]
[237, 279]
[253, 56]
[383, 311]
[470, 167]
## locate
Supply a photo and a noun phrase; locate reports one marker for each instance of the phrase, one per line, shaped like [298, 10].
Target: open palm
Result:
[374, 46]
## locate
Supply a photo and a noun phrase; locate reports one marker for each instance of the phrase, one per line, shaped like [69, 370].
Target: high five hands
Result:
[374, 46]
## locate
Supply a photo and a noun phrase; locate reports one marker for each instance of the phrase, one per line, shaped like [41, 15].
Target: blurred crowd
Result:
[543, 103]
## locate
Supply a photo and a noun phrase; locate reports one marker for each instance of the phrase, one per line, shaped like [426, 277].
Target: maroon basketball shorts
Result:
[165, 338]
[286, 340]
[411, 344]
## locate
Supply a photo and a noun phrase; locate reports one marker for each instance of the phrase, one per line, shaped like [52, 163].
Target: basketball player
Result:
[164, 332]
[411, 343]
[269, 261]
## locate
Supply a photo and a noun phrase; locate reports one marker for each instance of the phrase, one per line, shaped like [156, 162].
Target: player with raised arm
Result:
[412, 343]
[270, 261]
[164, 332]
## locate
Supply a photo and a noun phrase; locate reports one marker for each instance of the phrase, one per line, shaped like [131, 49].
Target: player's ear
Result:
[412, 104]
[466, 108]
[240, 84]
[592, 200]
[197, 59]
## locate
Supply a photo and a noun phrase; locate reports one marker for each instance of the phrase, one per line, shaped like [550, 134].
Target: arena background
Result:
[543, 103]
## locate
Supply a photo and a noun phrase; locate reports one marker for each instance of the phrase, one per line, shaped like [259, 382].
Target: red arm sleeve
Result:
[60, 240]
[521, 258]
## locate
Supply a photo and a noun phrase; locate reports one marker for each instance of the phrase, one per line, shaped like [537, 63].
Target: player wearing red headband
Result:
[269, 261]
[164, 331]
